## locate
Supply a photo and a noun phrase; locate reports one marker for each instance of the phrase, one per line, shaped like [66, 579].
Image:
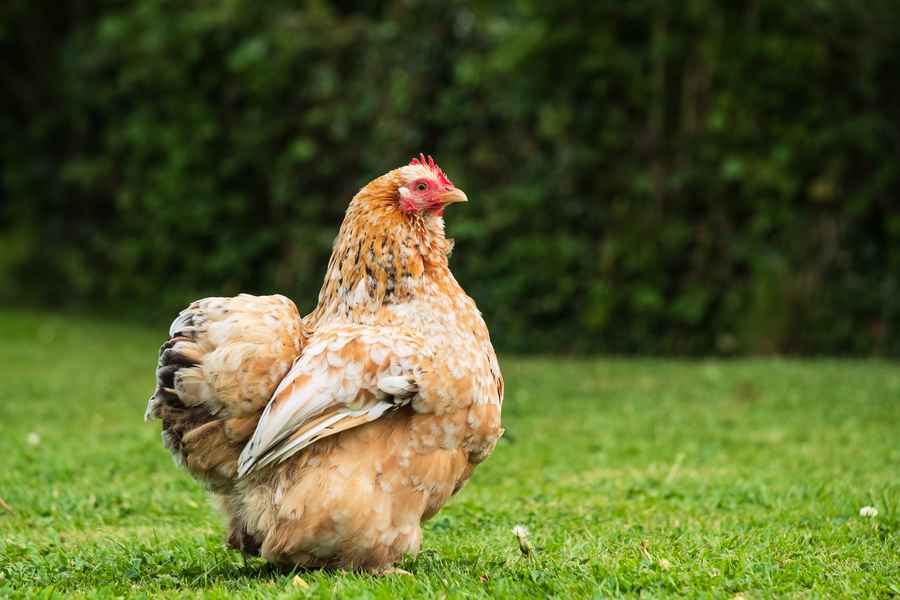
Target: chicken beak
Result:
[453, 196]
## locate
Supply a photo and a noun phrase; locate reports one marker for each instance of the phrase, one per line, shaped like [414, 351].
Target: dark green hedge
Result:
[646, 176]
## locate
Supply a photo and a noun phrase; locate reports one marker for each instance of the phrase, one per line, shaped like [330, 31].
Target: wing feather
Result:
[324, 426]
[346, 376]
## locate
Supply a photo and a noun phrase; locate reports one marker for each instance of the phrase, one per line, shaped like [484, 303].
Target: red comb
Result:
[430, 164]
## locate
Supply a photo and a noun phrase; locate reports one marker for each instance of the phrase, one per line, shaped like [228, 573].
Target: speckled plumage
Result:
[329, 440]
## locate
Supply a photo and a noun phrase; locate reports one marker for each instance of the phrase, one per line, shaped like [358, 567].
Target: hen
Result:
[329, 439]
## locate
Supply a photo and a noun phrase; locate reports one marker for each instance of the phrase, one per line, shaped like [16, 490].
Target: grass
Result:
[635, 477]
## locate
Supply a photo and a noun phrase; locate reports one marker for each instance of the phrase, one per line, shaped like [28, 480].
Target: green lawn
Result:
[634, 477]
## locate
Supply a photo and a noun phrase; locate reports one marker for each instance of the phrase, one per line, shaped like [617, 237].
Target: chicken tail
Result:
[216, 373]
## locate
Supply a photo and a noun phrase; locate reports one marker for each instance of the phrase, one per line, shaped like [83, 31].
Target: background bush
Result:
[646, 176]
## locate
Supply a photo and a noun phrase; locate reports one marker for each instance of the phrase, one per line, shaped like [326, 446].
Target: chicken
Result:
[328, 439]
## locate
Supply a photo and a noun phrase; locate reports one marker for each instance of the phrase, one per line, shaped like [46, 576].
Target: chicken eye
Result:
[422, 187]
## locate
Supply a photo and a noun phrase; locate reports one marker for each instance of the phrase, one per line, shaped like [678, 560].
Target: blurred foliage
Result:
[646, 176]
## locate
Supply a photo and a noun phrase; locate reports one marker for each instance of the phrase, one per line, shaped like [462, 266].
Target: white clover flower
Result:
[33, 439]
[868, 512]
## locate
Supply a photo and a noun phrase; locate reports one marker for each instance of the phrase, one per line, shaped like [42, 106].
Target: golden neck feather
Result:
[381, 255]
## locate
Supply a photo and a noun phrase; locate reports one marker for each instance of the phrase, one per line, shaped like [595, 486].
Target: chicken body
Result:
[330, 439]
